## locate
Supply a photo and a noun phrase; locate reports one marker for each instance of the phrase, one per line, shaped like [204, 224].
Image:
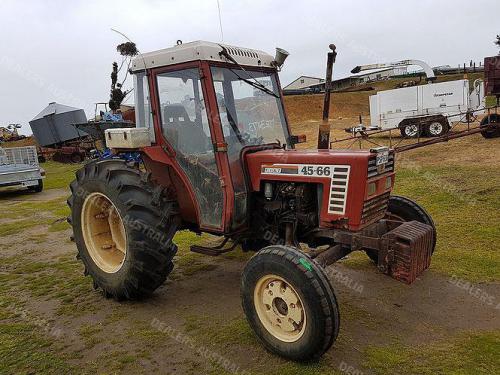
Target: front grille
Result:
[373, 170]
[374, 209]
[338, 189]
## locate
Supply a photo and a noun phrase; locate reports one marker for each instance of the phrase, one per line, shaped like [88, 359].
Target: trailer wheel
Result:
[404, 209]
[490, 133]
[410, 130]
[123, 228]
[436, 128]
[38, 188]
[289, 303]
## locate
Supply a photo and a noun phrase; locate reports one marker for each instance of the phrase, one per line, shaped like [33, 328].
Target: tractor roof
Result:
[200, 50]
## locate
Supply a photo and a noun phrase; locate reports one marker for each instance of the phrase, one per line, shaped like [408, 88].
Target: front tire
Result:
[404, 209]
[123, 228]
[289, 303]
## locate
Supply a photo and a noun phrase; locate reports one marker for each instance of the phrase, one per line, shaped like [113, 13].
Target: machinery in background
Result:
[423, 110]
[56, 136]
[62, 132]
[10, 133]
[492, 88]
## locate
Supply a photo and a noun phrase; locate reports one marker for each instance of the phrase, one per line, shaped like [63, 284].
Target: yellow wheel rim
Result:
[103, 232]
[280, 308]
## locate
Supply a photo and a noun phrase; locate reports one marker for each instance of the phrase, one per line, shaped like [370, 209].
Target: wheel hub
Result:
[411, 130]
[279, 308]
[435, 128]
[103, 232]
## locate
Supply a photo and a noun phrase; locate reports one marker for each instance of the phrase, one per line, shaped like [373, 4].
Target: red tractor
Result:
[217, 156]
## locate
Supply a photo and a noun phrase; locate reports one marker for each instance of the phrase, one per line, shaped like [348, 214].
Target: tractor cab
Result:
[204, 103]
[221, 141]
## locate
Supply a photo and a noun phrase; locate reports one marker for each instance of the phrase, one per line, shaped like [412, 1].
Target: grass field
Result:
[53, 321]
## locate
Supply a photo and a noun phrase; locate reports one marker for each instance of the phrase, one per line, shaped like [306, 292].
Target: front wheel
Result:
[289, 303]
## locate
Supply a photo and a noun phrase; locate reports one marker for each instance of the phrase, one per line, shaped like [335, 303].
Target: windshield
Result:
[250, 108]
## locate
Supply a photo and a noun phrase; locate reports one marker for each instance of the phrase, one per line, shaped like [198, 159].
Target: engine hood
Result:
[278, 164]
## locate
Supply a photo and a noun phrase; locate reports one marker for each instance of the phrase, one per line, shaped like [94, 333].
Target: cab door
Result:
[186, 130]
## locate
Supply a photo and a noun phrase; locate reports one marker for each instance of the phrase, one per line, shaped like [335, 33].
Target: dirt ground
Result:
[200, 304]
[447, 322]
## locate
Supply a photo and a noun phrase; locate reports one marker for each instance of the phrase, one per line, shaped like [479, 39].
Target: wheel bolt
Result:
[292, 305]
[270, 293]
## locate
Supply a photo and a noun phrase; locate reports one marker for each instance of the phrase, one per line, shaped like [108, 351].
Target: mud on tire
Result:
[296, 271]
[149, 223]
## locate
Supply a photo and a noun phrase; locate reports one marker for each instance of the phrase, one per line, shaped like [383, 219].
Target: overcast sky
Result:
[62, 50]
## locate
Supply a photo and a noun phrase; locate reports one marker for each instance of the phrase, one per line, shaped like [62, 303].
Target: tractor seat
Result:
[184, 134]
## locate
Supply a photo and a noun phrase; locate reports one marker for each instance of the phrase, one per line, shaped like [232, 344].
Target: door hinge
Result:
[167, 151]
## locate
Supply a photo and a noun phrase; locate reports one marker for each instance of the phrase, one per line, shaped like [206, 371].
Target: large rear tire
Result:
[404, 209]
[289, 303]
[123, 228]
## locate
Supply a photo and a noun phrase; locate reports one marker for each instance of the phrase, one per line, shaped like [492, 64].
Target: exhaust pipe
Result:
[280, 57]
[324, 128]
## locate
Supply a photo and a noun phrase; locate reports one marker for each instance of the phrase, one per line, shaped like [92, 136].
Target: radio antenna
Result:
[220, 22]
[145, 69]
[126, 37]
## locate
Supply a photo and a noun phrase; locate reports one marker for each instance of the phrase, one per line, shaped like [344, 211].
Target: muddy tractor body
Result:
[214, 154]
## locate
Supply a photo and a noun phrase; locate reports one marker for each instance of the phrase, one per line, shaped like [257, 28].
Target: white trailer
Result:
[423, 110]
[427, 109]
[19, 168]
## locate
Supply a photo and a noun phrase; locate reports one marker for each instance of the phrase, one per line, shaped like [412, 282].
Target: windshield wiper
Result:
[234, 126]
[253, 83]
